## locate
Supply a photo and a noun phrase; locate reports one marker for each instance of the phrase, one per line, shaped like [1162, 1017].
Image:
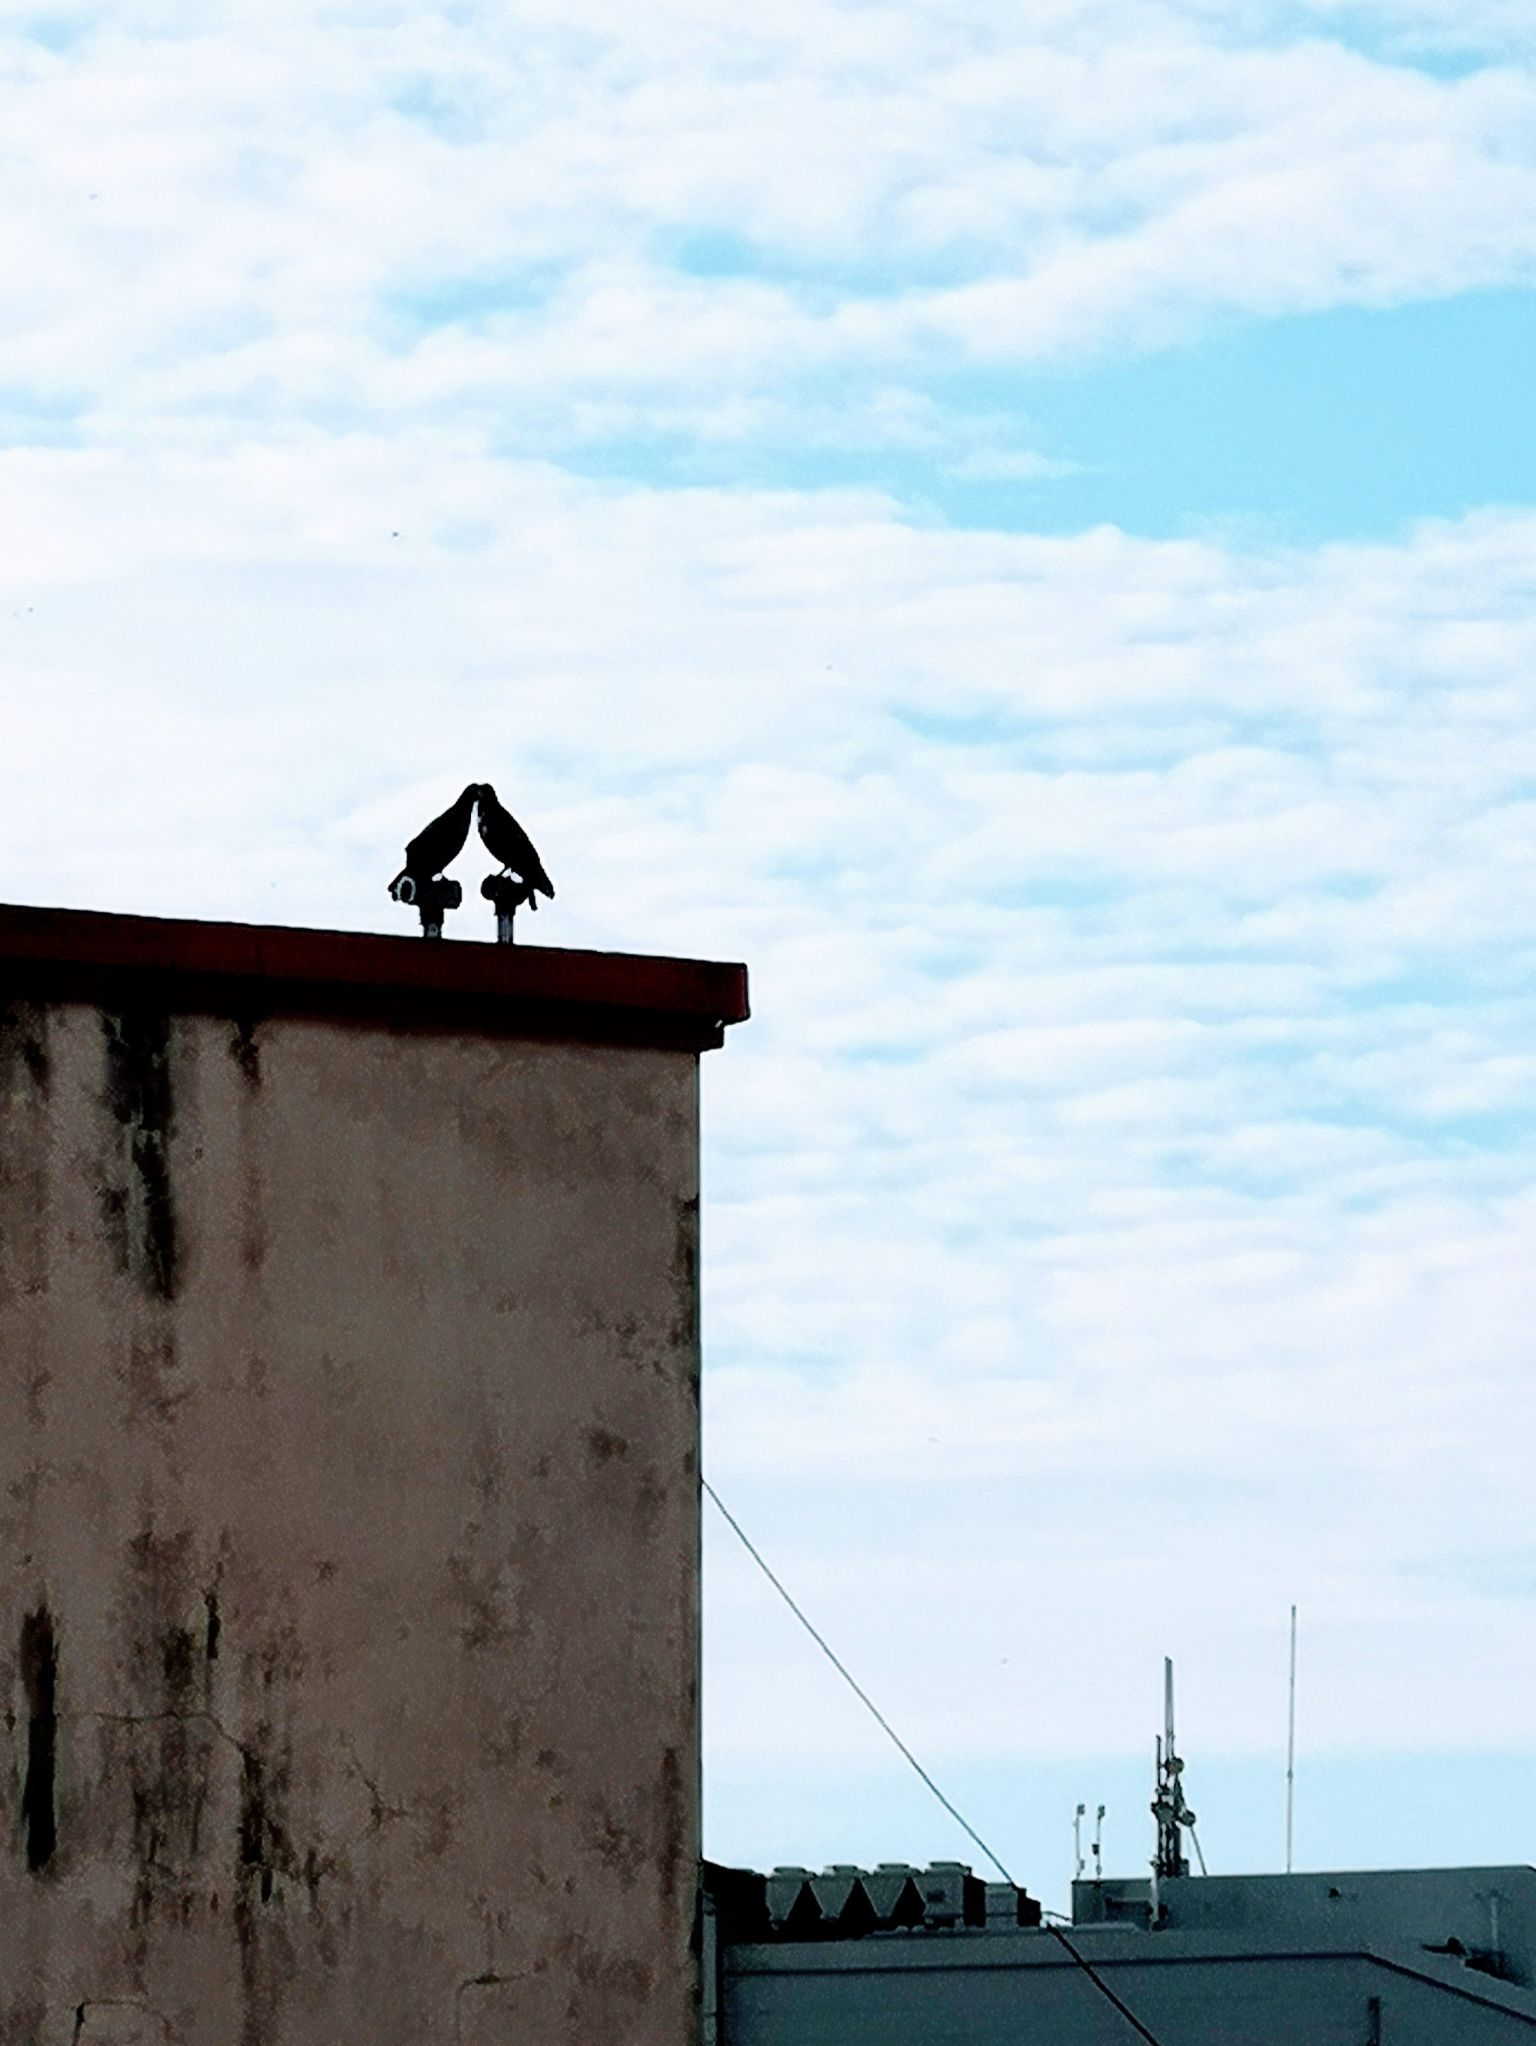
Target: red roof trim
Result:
[507, 990]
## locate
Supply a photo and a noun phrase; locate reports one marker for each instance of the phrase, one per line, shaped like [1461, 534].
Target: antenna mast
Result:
[1168, 1807]
[1290, 1751]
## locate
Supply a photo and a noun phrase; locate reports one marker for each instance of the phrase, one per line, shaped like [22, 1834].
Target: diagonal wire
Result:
[1102, 1986]
[895, 1738]
[852, 1682]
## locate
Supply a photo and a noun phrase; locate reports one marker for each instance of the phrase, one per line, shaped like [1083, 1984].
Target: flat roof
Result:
[442, 983]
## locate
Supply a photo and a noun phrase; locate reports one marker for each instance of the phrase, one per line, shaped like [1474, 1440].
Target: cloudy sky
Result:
[1018, 522]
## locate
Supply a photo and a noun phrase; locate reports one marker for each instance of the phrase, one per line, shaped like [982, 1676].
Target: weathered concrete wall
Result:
[348, 1535]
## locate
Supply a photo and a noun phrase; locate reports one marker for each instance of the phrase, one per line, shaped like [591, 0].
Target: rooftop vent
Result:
[847, 1902]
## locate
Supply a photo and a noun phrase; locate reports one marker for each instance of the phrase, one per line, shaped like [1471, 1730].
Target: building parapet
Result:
[503, 990]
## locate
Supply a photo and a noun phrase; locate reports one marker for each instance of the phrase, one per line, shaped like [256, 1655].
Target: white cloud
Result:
[1139, 1101]
[1124, 1181]
[383, 216]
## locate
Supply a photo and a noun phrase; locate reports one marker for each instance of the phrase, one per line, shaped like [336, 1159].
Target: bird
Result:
[437, 843]
[508, 843]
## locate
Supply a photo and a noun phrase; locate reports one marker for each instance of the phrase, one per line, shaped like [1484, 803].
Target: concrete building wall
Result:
[348, 1531]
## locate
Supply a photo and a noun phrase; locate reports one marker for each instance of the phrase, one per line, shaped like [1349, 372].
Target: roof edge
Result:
[266, 969]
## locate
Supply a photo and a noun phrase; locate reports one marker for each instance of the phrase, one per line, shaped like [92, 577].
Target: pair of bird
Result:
[441, 842]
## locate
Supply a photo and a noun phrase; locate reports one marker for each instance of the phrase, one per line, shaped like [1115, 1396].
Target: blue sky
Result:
[1018, 523]
[1345, 423]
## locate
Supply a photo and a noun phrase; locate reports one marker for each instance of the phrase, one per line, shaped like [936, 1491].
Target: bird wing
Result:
[442, 840]
[507, 841]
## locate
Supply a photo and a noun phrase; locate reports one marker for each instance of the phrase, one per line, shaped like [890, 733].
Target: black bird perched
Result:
[437, 843]
[506, 841]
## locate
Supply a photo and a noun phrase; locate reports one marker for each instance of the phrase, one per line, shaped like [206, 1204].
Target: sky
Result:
[1019, 523]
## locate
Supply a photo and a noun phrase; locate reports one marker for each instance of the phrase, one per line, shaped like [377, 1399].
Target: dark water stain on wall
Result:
[170, 1738]
[245, 1049]
[685, 1276]
[138, 1207]
[25, 1234]
[264, 1854]
[156, 1385]
[650, 1502]
[603, 1445]
[617, 1844]
[24, 1060]
[22, 2023]
[263, 1839]
[613, 1984]
[40, 1685]
[676, 1846]
[478, 1593]
[244, 1046]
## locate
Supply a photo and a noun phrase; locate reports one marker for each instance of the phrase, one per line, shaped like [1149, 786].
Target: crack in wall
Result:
[134, 2003]
[487, 1979]
[264, 1847]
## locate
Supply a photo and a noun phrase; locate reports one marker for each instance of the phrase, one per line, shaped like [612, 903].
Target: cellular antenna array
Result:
[1169, 1809]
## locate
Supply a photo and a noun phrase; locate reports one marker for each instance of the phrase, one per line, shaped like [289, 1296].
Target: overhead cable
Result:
[896, 1740]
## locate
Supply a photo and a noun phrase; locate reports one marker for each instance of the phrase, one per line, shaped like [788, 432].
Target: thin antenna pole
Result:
[1290, 1752]
[1168, 1701]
